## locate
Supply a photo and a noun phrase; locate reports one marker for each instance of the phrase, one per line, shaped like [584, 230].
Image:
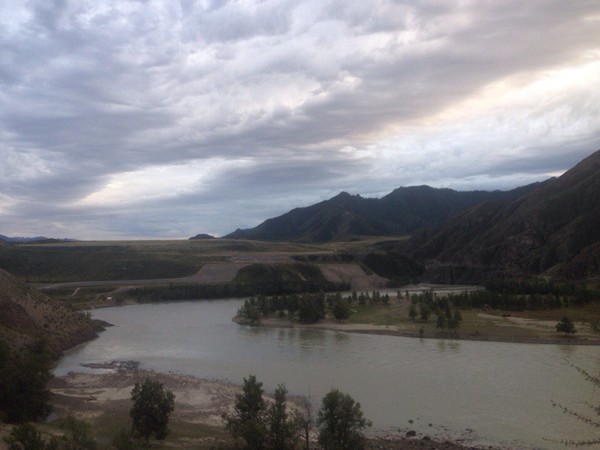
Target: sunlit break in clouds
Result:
[164, 119]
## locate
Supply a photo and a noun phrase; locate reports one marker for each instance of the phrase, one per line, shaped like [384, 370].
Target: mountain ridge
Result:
[346, 216]
[553, 230]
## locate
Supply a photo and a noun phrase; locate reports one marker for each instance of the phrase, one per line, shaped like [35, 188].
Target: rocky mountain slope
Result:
[554, 230]
[346, 216]
[26, 314]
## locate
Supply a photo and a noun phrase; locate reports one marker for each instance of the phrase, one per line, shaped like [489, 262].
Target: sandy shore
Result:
[103, 399]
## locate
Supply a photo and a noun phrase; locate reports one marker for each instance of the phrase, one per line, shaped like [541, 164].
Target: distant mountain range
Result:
[40, 239]
[549, 228]
[346, 217]
[553, 230]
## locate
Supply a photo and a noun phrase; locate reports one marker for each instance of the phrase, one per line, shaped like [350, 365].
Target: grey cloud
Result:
[91, 89]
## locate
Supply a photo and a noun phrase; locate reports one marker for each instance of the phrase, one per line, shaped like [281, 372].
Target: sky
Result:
[164, 119]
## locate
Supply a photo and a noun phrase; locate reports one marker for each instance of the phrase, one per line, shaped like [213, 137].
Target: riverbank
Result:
[515, 330]
[103, 400]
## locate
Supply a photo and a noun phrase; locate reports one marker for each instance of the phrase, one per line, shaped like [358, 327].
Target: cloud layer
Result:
[149, 118]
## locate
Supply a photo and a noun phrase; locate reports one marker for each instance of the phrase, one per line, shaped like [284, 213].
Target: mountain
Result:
[346, 216]
[22, 239]
[37, 239]
[26, 314]
[202, 237]
[554, 230]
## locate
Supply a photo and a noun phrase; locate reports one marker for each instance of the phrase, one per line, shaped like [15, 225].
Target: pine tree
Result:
[248, 418]
[282, 428]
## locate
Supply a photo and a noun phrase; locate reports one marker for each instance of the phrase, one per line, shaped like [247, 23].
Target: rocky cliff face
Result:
[26, 314]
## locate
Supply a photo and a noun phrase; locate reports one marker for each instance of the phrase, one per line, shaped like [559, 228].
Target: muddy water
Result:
[491, 393]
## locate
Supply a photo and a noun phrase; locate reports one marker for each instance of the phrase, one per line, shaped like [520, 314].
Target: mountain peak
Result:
[347, 216]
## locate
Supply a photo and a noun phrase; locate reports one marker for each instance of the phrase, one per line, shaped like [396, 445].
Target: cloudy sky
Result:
[164, 119]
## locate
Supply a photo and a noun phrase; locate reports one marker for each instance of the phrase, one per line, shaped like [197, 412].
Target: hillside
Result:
[554, 230]
[26, 314]
[345, 216]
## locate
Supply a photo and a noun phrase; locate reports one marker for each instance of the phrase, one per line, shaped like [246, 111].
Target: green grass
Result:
[476, 322]
[379, 314]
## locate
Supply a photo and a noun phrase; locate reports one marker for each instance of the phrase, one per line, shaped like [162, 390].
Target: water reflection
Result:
[445, 345]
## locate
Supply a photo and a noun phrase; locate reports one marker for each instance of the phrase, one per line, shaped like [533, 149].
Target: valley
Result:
[464, 305]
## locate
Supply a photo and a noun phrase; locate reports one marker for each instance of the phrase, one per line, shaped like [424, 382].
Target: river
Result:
[491, 393]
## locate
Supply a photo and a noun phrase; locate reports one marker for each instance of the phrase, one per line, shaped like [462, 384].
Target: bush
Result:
[565, 325]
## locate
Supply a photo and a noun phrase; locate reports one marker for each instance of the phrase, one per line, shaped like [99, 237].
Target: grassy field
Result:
[495, 324]
[124, 260]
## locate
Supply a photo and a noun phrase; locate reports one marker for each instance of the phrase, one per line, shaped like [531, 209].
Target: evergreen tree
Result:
[456, 319]
[248, 418]
[281, 428]
[441, 321]
[412, 313]
[425, 311]
[341, 310]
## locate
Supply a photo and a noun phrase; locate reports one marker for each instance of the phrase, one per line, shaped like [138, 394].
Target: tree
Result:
[250, 312]
[565, 325]
[456, 319]
[305, 422]
[152, 405]
[425, 311]
[341, 310]
[23, 378]
[412, 313]
[340, 421]
[311, 309]
[441, 321]
[281, 428]
[247, 420]
[27, 437]
[78, 435]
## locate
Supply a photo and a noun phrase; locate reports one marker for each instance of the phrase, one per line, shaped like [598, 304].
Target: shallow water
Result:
[502, 391]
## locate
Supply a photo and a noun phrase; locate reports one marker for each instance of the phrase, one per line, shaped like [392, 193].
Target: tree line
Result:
[274, 426]
[306, 307]
[229, 290]
[423, 305]
[486, 299]
[260, 424]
